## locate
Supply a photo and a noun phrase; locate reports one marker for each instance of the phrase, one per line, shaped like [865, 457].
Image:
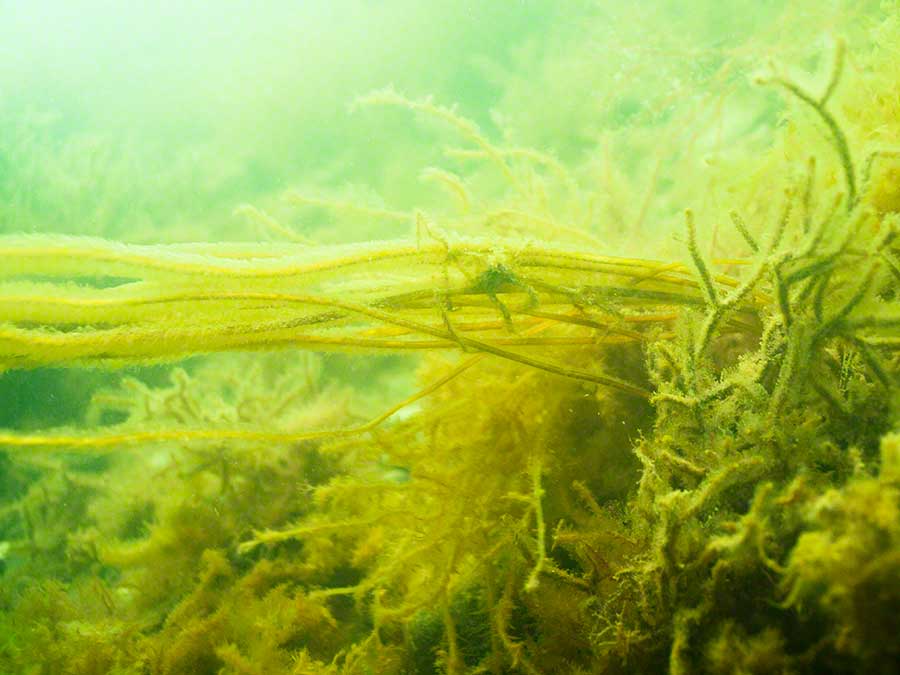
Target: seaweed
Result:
[600, 464]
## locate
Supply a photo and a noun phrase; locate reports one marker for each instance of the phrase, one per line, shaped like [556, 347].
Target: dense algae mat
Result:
[608, 464]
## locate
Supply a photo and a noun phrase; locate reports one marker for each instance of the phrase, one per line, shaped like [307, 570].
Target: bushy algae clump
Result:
[611, 464]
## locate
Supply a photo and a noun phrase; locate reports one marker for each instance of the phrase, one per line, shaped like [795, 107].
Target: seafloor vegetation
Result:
[601, 464]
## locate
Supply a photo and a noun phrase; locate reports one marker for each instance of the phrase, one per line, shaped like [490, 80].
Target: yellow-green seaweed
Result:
[684, 462]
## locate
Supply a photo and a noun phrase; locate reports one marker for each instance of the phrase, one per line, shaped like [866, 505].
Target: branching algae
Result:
[611, 464]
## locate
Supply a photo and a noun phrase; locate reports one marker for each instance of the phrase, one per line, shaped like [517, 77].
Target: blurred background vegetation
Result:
[152, 121]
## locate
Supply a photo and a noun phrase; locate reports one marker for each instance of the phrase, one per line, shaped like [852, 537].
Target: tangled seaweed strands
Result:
[66, 300]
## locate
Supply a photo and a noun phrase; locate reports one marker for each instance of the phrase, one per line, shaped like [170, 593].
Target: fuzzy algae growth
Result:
[608, 465]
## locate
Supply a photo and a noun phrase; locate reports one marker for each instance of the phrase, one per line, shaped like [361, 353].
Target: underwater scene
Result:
[344, 337]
